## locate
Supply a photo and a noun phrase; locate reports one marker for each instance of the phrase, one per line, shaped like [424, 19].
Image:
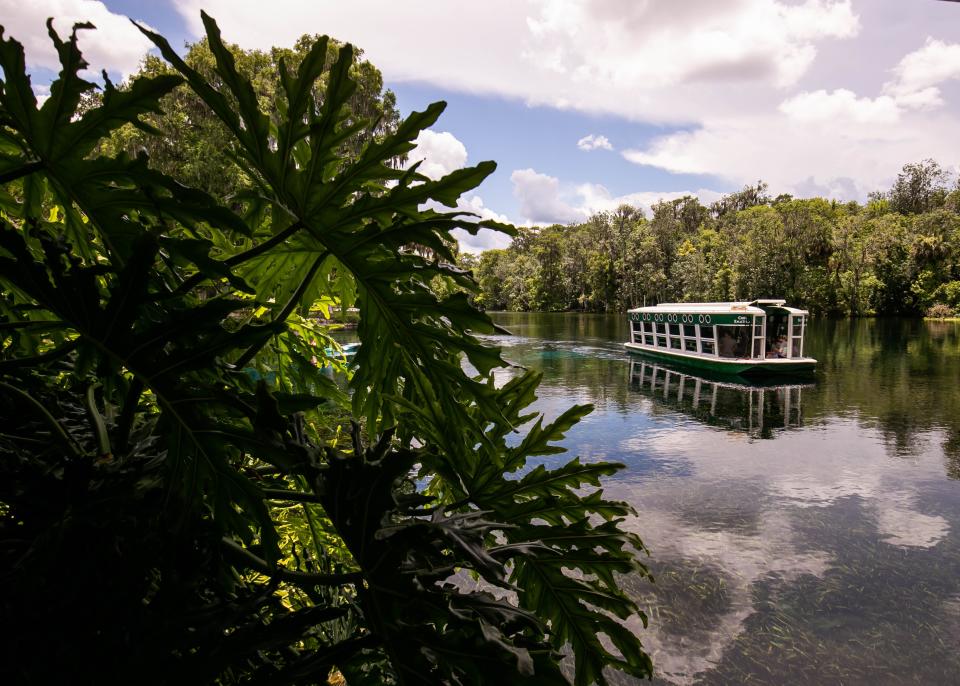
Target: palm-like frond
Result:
[152, 308]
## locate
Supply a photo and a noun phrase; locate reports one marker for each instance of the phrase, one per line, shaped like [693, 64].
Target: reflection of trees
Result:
[951, 454]
[902, 374]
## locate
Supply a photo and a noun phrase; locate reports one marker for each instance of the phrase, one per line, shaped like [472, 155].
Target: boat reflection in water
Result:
[759, 409]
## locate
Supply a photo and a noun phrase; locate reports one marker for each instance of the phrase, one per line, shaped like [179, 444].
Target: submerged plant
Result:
[186, 497]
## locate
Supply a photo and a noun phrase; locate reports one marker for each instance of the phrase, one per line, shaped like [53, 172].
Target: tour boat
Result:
[747, 338]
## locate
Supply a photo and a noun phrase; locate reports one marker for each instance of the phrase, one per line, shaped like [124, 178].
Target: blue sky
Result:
[816, 97]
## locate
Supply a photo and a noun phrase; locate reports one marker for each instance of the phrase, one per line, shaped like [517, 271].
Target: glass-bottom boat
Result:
[761, 337]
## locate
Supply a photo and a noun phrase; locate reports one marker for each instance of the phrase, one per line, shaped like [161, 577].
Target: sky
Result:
[586, 104]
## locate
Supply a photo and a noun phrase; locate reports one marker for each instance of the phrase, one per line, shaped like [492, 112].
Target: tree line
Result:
[897, 254]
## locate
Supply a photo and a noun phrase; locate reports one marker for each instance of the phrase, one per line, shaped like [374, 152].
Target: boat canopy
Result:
[751, 307]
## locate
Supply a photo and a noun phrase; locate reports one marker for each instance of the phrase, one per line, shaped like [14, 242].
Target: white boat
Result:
[748, 338]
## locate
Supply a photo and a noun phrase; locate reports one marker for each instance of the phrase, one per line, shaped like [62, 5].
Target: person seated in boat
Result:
[773, 349]
[727, 344]
[778, 348]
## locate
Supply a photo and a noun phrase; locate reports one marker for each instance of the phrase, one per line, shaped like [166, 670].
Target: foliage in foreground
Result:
[897, 255]
[167, 518]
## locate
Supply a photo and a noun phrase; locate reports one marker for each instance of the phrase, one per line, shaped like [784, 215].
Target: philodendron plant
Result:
[186, 493]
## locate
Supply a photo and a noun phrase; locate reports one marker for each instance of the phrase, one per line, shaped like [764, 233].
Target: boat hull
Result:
[803, 365]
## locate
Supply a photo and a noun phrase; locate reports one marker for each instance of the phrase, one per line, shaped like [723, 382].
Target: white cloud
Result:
[832, 142]
[919, 73]
[439, 152]
[545, 200]
[843, 159]
[643, 44]
[842, 104]
[786, 153]
[540, 198]
[115, 45]
[593, 142]
[636, 59]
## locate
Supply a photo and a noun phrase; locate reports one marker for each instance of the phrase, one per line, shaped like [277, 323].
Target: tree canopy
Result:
[187, 141]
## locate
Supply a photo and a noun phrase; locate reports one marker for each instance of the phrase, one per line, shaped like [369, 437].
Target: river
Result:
[808, 533]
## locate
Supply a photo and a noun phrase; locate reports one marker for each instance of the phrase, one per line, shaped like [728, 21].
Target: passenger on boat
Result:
[727, 344]
[778, 348]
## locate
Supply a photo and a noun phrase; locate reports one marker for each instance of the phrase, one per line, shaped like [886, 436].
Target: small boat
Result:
[760, 337]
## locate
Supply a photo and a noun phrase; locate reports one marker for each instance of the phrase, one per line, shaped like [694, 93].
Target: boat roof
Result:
[744, 307]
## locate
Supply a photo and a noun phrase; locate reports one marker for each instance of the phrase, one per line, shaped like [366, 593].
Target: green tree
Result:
[749, 196]
[491, 272]
[758, 258]
[892, 271]
[920, 186]
[187, 141]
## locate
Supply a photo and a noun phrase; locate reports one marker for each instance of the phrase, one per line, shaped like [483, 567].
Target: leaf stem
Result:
[20, 172]
[292, 496]
[99, 426]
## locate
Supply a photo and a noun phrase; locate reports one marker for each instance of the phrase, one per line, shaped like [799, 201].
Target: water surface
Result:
[801, 533]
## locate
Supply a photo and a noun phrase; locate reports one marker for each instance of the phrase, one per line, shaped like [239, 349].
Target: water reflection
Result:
[828, 555]
[757, 409]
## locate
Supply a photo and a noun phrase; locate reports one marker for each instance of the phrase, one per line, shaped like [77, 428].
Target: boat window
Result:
[776, 335]
[758, 347]
[648, 339]
[689, 330]
[734, 341]
[706, 339]
[796, 341]
[675, 342]
[662, 341]
[661, 327]
[674, 329]
[690, 344]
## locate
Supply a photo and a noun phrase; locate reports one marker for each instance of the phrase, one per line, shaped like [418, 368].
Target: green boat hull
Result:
[729, 367]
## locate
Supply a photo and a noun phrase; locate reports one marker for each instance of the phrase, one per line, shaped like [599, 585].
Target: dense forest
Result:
[898, 254]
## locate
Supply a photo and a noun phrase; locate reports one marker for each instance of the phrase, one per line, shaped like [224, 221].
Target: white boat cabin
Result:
[756, 330]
